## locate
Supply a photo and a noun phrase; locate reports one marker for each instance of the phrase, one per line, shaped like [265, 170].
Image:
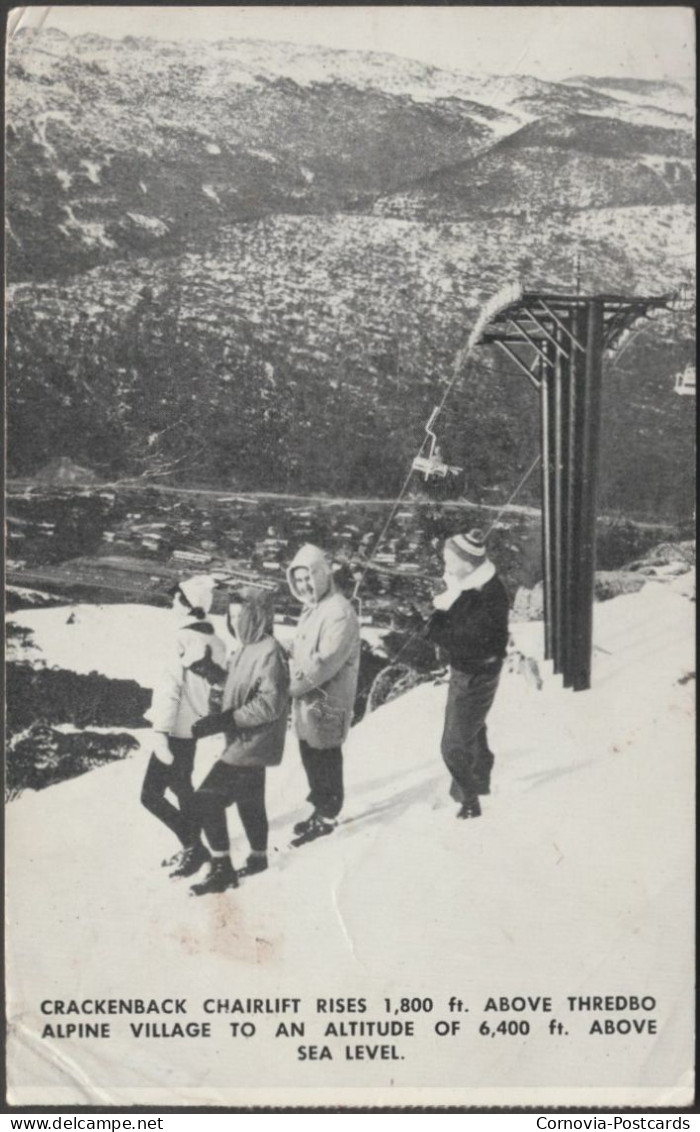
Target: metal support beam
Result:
[574, 499]
[518, 361]
[561, 477]
[562, 324]
[590, 445]
[528, 338]
[548, 514]
[568, 335]
[620, 320]
[543, 329]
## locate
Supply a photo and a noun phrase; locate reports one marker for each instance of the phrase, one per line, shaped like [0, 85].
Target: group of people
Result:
[245, 698]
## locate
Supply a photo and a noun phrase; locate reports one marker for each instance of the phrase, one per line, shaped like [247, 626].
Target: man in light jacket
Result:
[324, 667]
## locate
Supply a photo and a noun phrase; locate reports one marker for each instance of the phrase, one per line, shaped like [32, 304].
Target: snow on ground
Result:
[577, 880]
[123, 642]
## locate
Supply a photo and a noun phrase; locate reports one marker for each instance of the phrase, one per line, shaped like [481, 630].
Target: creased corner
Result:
[67, 1069]
[26, 18]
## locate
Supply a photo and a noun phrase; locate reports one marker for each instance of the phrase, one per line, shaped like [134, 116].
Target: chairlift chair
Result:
[433, 464]
[683, 300]
[685, 382]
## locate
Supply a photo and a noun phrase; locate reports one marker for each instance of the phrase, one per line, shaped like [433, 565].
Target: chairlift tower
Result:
[558, 342]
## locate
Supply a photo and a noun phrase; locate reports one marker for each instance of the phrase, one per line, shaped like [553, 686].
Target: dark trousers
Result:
[465, 747]
[324, 773]
[177, 778]
[224, 785]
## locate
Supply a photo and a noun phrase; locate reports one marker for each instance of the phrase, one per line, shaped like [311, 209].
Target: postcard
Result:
[350, 556]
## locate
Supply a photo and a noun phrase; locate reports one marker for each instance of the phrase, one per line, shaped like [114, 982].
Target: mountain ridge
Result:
[315, 250]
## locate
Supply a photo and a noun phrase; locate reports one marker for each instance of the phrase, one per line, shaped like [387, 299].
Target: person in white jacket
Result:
[194, 662]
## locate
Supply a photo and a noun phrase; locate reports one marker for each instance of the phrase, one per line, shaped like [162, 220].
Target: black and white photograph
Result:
[350, 556]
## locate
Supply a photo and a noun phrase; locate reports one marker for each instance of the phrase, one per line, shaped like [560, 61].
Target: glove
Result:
[161, 748]
[214, 725]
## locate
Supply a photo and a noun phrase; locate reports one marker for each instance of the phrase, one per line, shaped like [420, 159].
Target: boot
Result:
[316, 826]
[256, 863]
[171, 862]
[470, 807]
[304, 826]
[221, 876]
[191, 861]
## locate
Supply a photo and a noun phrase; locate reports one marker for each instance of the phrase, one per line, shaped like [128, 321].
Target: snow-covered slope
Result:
[576, 881]
[122, 642]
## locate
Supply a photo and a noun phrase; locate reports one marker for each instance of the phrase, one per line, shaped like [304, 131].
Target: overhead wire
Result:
[416, 634]
[382, 534]
[513, 494]
[462, 356]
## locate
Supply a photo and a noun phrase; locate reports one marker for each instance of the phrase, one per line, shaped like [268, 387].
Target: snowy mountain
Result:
[285, 246]
[144, 146]
[581, 161]
[139, 145]
[575, 881]
[675, 96]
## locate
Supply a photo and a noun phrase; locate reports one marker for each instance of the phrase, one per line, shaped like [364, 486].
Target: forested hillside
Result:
[251, 265]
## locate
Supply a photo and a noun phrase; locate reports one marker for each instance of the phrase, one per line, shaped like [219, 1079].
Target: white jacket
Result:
[181, 696]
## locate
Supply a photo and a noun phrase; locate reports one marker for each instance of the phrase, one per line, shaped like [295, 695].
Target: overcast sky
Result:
[549, 42]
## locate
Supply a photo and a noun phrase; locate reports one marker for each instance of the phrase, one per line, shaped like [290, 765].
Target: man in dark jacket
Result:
[470, 625]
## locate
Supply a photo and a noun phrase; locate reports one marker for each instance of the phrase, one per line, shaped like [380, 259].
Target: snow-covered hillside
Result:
[577, 880]
[122, 642]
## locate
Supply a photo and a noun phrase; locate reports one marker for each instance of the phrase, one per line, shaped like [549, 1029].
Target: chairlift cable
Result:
[416, 634]
[458, 364]
[385, 528]
[522, 483]
[462, 357]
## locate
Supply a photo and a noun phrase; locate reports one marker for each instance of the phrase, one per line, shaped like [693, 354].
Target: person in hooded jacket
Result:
[324, 668]
[194, 663]
[255, 707]
[470, 625]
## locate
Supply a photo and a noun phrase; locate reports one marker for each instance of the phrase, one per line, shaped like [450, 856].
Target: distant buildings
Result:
[192, 557]
[146, 540]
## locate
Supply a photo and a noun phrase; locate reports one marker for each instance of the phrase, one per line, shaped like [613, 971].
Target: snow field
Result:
[122, 642]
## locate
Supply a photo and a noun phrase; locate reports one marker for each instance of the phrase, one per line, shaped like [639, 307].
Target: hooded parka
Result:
[257, 687]
[182, 696]
[325, 658]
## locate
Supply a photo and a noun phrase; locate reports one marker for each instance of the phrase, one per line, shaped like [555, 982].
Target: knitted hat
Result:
[469, 547]
[198, 593]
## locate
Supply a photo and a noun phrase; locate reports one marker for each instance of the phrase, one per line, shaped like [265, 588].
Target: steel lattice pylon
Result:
[558, 342]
